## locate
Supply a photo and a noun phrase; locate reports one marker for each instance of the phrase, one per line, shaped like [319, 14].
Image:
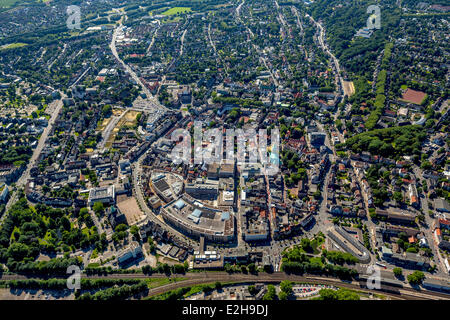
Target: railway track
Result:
[397, 293]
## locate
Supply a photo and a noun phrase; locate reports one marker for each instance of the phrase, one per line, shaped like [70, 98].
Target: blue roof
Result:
[225, 215]
[180, 204]
[274, 158]
[196, 213]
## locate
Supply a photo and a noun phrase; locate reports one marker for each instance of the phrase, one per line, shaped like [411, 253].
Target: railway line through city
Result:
[199, 278]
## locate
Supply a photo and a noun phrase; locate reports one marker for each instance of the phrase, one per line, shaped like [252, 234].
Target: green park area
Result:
[7, 3]
[12, 45]
[176, 10]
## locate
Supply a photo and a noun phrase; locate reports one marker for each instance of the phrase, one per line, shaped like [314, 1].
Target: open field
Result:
[7, 3]
[13, 45]
[349, 88]
[128, 120]
[176, 10]
[104, 123]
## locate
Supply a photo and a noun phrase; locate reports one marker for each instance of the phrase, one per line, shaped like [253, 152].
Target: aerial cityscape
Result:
[224, 150]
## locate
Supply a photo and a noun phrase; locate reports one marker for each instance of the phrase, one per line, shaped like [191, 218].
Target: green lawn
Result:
[12, 45]
[174, 10]
[7, 3]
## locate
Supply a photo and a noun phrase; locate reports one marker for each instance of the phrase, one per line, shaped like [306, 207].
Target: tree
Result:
[83, 213]
[286, 287]
[328, 294]
[166, 268]
[147, 269]
[134, 230]
[178, 269]
[252, 268]
[283, 295]
[306, 245]
[398, 271]
[252, 290]
[416, 277]
[341, 294]
[106, 110]
[398, 196]
[99, 208]
[18, 251]
[228, 268]
[268, 268]
[45, 188]
[207, 289]
[412, 250]
[271, 293]
[151, 244]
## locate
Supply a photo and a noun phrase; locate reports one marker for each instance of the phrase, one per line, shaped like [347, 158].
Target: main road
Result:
[428, 231]
[327, 50]
[53, 109]
[137, 170]
[154, 103]
[252, 35]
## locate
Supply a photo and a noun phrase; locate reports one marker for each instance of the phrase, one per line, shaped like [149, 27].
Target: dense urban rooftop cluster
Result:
[87, 118]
